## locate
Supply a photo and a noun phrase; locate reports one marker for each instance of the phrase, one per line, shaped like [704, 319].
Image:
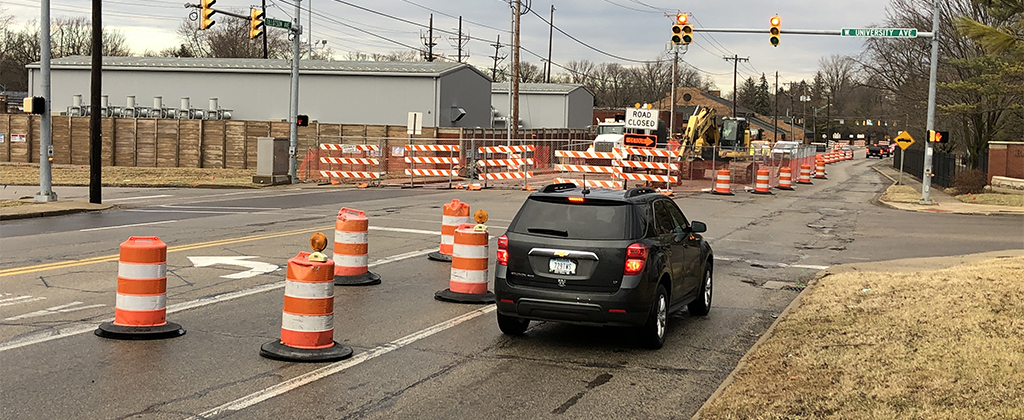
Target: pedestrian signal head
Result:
[302, 120]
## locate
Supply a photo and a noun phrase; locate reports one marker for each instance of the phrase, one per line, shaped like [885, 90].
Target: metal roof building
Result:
[545, 105]
[256, 89]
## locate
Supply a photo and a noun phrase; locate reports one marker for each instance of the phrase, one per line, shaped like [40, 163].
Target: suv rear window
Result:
[596, 220]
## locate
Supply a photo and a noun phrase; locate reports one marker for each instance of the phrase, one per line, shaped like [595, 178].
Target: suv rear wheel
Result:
[653, 333]
[511, 325]
[702, 305]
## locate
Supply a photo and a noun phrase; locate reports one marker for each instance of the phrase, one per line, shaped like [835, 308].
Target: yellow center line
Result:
[170, 249]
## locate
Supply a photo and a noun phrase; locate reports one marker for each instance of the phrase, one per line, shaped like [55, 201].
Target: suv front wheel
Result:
[702, 305]
[653, 333]
[511, 325]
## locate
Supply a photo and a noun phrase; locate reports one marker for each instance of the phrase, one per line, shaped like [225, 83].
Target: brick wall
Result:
[1005, 159]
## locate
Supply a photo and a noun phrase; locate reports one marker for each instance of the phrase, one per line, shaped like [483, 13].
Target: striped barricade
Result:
[516, 166]
[364, 167]
[451, 160]
[647, 162]
[575, 167]
[649, 178]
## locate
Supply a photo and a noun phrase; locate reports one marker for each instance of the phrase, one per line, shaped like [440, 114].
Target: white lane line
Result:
[139, 198]
[131, 225]
[224, 297]
[187, 211]
[19, 299]
[71, 307]
[175, 206]
[313, 376]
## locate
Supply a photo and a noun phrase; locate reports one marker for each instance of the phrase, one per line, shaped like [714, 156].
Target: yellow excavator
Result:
[703, 136]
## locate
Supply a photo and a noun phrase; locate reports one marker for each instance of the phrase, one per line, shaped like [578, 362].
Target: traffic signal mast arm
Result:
[219, 12]
[838, 32]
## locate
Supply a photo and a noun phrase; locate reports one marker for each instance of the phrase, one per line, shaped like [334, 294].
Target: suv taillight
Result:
[503, 250]
[636, 258]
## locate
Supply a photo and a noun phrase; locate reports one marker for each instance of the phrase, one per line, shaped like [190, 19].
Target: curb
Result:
[55, 212]
[764, 337]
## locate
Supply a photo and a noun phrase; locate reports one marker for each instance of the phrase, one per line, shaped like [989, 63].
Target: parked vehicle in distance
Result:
[876, 150]
[601, 257]
[784, 149]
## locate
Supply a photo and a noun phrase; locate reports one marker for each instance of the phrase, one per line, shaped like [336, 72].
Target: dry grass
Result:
[901, 194]
[117, 176]
[948, 344]
[1016, 200]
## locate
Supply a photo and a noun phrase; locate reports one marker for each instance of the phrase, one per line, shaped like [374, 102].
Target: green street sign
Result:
[284, 24]
[881, 32]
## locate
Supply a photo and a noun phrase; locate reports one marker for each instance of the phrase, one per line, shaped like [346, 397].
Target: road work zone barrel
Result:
[350, 249]
[722, 183]
[307, 321]
[468, 280]
[805, 174]
[454, 214]
[785, 178]
[140, 308]
[762, 186]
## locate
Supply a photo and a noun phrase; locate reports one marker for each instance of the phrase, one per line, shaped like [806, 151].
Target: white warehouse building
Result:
[347, 92]
[545, 105]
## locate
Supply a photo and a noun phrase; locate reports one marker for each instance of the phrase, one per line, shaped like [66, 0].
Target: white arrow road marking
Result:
[19, 299]
[255, 267]
[54, 310]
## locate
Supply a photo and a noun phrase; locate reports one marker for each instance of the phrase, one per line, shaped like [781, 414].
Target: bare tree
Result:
[530, 73]
[579, 71]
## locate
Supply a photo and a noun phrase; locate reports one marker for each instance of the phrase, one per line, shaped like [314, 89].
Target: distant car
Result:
[601, 257]
[877, 151]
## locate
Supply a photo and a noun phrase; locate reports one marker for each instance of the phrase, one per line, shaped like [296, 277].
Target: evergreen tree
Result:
[762, 98]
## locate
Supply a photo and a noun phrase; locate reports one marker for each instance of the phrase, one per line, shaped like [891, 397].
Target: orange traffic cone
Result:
[350, 249]
[140, 309]
[468, 281]
[454, 213]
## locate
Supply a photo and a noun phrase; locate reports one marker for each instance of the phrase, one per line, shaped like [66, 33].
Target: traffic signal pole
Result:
[46, 193]
[926, 181]
[293, 108]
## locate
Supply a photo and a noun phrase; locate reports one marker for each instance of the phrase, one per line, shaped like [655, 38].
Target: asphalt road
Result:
[415, 357]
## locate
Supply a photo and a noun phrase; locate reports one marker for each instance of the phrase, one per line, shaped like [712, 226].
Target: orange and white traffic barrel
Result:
[140, 309]
[455, 213]
[819, 169]
[350, 249]
[762, 186]
[307, 321]
[786, 178]
[849, 155]
[468, 281]
[722, 183]
[805, 174]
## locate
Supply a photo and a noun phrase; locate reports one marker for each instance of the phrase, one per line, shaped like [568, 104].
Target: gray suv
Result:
[601, 257]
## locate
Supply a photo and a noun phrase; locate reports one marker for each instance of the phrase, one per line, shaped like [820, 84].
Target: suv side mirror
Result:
[698, 227]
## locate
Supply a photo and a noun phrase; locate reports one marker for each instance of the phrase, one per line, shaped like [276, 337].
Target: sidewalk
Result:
[942, 202]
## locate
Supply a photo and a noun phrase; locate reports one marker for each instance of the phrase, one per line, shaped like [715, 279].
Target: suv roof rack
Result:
[633, 192]
[558, 187]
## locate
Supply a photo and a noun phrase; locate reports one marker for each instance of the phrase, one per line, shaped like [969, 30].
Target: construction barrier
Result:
[449, 160]
[627, 164]
[722, 183]
[849, 155]
[805, 174]
[350, 249]
[786, 178]
[140, 307]
[454, 214]
[307, 320]
[609, 171]
[516, 166]
[369, 167]
[762, 186]
[819, 169]
[468, 280]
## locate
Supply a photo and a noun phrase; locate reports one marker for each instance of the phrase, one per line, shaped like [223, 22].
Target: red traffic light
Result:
[774, 21]
[682, 18]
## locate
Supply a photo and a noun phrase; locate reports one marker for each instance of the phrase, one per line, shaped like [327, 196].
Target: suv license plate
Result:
[562, 266]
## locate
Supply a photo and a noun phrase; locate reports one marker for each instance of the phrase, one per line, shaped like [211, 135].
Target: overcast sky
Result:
[627, 29]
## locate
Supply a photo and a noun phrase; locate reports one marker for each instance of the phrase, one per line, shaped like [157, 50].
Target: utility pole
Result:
[776, 117]
[95, 90]
[293, 111]
[429, 42]
[264, 31]
[494, 70]
[309, 38]
[460, 39]
[828, 115]
[735, 67]
[514, 132]
[46, 193]
[551, 29]
[672, 96]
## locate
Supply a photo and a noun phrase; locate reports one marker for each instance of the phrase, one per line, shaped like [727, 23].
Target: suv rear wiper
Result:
[552, 232]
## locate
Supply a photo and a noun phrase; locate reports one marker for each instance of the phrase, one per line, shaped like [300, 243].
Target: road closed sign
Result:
[640, 118]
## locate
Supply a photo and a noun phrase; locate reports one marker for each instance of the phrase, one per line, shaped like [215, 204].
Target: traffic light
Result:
[255, 23]
[677, 28]
[938, 136]
[302, 120]
[33, 105]
[206, 14]
[774, 31]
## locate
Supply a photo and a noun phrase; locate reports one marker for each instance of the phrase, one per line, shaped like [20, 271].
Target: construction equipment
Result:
[705, 133]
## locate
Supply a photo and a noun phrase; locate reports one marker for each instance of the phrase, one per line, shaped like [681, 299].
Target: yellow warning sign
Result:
[904, 140]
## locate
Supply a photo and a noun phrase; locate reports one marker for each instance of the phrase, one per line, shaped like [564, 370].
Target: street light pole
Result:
[926, 181]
